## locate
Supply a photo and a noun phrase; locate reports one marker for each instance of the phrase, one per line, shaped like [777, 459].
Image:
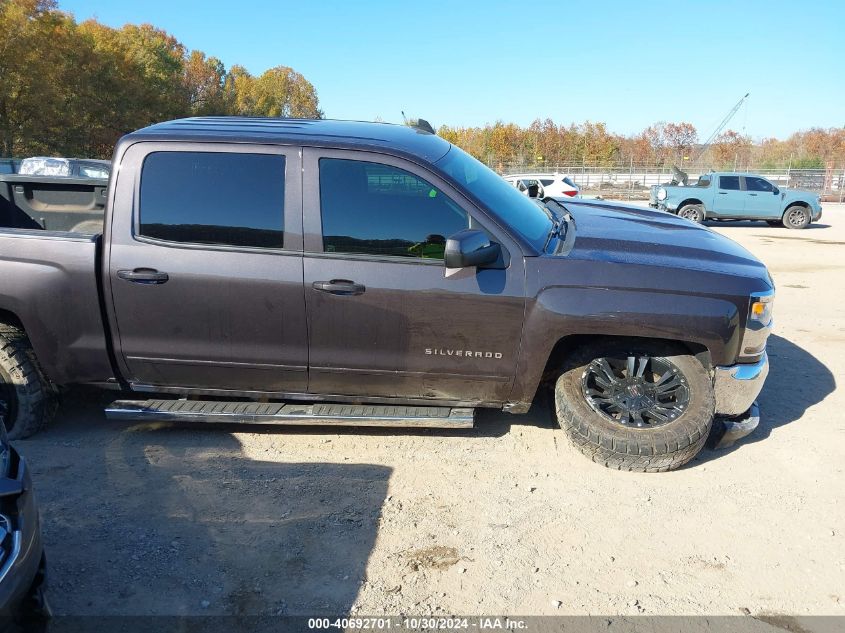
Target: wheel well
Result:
[10, 318]
[689, 201]
[568, 344]
[797, 203]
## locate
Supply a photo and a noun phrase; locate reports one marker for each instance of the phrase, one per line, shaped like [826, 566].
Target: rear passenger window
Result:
[377, 209]
[729, 182]
[230, 199]
[546, 181]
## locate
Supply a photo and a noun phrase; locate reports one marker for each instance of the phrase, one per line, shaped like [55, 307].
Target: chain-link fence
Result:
[632, 181]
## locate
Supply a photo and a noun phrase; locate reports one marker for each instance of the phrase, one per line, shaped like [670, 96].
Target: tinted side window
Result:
[729, 182]
[213, 198]
[546, 181]
[381, 210]
[757, 184]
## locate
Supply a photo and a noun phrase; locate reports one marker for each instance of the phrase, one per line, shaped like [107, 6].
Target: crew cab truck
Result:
[735, 196]
[328, 272]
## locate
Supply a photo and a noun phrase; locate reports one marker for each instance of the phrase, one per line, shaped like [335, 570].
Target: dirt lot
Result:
[506, 518]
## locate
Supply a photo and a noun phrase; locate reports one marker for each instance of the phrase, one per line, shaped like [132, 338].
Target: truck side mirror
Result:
[470, 247]
[776, 191]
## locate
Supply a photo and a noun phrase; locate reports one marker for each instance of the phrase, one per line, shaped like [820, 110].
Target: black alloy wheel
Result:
[637, 391]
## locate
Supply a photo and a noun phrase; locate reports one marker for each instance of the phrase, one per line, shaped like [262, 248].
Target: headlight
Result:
[758, 327]
[661, 194]
[761, 308]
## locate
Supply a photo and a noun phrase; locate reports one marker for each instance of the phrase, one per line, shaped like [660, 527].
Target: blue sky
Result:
[628, 64]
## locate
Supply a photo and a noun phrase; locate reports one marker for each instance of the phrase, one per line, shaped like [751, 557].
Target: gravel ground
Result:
[506, 518]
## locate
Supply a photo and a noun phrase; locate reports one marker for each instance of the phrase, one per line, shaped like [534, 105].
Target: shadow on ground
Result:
[797, 380]
[760, 224]
[176, 522]
[175, 519]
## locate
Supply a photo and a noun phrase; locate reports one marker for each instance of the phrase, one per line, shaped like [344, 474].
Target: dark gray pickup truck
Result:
[328, 272]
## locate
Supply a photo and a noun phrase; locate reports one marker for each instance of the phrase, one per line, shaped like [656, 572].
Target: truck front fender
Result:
[564, 311]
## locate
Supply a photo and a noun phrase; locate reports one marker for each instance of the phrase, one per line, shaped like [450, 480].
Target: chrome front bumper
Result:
[738, 386]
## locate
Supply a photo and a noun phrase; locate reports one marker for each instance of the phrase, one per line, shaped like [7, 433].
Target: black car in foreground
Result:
[21, 550]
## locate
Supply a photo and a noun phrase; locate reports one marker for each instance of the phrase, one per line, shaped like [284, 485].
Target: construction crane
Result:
[681, 176]
[721, 126]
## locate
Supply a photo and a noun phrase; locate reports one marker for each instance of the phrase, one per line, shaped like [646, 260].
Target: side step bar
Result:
[296, 414]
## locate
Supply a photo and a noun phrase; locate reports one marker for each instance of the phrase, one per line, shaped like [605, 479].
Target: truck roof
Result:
[397, 139]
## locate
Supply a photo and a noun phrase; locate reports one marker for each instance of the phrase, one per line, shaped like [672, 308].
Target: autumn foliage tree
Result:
[547, 145]
[731, 148]
[74, 89]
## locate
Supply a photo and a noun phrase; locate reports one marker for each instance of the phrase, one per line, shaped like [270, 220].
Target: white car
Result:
[548, 185]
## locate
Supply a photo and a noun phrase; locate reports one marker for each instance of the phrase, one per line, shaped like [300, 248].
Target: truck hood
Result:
[612, 232]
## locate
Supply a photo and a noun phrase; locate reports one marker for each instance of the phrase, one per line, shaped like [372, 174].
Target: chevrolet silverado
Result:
[327, 272]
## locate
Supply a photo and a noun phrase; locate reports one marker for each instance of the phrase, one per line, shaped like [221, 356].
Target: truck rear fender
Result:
[48, 287]
[562, 318]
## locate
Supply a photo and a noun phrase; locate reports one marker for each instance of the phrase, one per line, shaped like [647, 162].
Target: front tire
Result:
[25, 393]
[692, 212]
[796, 217]
[633, 422]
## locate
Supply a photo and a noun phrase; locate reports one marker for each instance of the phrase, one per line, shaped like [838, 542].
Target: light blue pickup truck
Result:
[735, 196]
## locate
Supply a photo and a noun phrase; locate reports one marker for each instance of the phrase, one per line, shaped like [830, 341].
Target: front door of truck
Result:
[384, 319]
[205, 267]
[760, 199]
[729, 200]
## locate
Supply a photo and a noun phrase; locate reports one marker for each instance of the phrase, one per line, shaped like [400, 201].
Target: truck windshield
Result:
[503, 199]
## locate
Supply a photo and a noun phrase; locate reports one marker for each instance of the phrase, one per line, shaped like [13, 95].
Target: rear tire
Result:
[692, 212]
[796, 217]
[655, 447]
[26, 395]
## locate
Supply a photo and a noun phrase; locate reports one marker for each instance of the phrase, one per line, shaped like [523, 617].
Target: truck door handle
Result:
[723, 193]
[752, 194]
[339, 287]
[149, 276]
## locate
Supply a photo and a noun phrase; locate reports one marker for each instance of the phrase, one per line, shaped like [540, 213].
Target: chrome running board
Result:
[295, 414]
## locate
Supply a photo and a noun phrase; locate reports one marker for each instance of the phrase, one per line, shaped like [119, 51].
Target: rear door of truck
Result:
[204, 268]
[729, 199]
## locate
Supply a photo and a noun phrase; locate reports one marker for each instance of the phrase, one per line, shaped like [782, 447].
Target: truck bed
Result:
[52, 203]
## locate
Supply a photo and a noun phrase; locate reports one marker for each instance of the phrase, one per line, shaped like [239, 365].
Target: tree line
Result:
[73, 89]
[545, 143]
